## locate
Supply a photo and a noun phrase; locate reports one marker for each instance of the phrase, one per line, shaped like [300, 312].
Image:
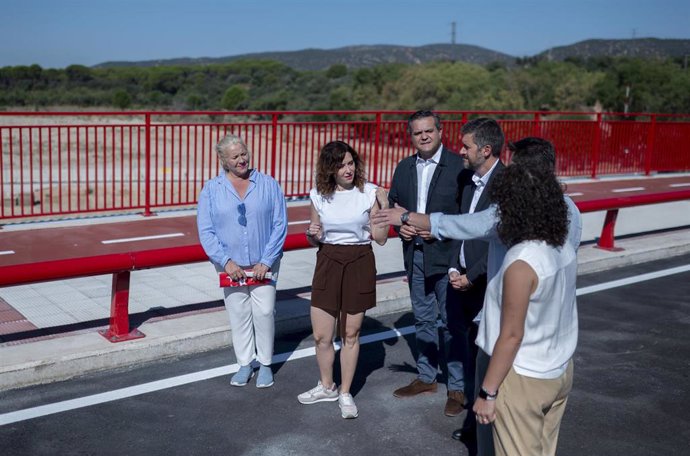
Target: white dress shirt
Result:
[425, 171]
[479, 186]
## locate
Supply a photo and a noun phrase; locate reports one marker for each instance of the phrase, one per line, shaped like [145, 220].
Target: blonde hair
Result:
[225, 143]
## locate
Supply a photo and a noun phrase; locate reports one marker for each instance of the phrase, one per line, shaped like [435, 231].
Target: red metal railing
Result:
[59, 163]
[612, 205]
[120, 266]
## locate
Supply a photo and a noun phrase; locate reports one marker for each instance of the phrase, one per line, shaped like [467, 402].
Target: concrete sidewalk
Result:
[62, 356]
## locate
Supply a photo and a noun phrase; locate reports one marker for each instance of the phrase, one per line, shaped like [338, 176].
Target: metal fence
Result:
[60, 163]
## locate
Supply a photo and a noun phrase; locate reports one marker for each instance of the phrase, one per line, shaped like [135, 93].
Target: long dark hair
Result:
[330, 160]
[530, 206]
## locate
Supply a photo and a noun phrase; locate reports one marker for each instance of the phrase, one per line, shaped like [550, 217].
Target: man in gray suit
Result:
[428, 181]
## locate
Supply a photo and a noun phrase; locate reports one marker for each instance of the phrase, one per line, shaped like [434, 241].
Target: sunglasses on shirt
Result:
[242, 210]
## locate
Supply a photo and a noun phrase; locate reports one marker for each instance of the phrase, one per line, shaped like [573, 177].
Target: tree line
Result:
[613, 84]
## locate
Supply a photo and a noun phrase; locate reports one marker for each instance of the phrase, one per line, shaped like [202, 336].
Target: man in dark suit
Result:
[426, 182]
[482, 142]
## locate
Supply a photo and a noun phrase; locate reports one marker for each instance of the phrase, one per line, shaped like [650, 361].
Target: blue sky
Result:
[57, 33]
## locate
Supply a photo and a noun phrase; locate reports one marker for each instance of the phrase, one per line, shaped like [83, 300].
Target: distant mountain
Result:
[352, 56]
[639, 47]
[368, 56]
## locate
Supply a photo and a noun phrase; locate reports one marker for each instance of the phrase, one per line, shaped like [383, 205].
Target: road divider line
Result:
[7, 252]
[632, 280]
[150, 387]
[629, 189]
[300, 222]
[575, 194]
[142, 238]
[680, 184]
[158, 385]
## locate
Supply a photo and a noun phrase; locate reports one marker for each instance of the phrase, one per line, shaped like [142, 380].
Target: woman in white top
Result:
[529, 327]
[344, 283]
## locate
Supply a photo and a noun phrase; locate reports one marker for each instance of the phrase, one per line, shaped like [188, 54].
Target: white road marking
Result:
[631, 280]
[7, 252]
[680, 184]
[575, 194]
[158, 385]
[630, 189]
[137, 390]
[300, 222]
[142, 238]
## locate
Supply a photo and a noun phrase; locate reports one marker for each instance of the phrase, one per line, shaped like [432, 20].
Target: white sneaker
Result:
[348, 409]
[319, 394]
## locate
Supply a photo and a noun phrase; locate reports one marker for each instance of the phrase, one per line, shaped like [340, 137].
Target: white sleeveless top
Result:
[551, 325]
[345, 215]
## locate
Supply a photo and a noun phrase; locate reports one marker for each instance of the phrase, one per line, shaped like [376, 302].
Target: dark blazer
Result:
[476, 252]
[443, 196]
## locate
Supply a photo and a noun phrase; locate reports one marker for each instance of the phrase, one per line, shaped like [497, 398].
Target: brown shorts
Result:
[344, 278]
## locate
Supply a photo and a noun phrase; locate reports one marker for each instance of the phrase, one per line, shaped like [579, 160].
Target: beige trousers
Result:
[529, 412]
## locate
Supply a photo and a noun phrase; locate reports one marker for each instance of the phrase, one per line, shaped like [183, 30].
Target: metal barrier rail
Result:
[61, 163]
[121, 264]
[612, 205]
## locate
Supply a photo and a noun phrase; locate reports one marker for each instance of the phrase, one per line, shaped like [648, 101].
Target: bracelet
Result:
[486, 395]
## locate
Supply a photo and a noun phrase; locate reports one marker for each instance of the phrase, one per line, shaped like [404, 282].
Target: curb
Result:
[78, 354]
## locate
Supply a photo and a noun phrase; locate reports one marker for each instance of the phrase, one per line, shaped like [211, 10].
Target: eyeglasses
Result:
[242, 210]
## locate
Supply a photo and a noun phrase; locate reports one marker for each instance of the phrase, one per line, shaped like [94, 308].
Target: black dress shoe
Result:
[468, 438]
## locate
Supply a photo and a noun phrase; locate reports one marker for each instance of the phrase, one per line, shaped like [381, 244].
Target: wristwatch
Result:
[487, 396]
[405, 217]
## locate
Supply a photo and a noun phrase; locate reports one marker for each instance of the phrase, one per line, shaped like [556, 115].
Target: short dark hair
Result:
[421, 114]
[487, 132]
[530, 206]
[330, 159]
[533, 152]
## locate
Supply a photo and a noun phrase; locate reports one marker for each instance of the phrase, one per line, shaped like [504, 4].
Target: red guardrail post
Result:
[377, 142]
[597, 145]
[607, 232]
[274, 142]
[650, 145]
[536, 131]
[118, 331]
[147, 183]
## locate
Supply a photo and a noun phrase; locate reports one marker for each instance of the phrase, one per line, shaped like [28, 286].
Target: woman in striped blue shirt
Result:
[242, 222]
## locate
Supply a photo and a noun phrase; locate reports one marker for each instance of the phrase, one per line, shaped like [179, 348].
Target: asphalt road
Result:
[631, 394]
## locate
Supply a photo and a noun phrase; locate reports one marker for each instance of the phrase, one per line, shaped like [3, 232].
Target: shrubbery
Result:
[531, 84]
